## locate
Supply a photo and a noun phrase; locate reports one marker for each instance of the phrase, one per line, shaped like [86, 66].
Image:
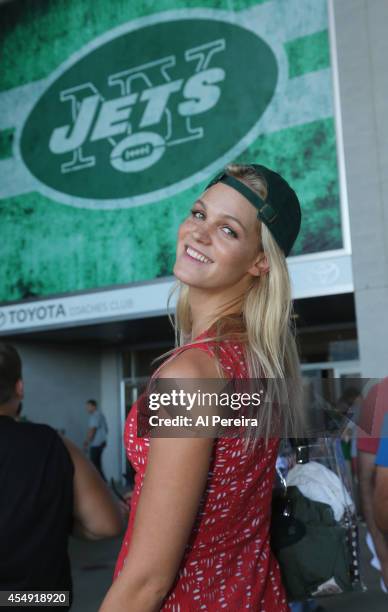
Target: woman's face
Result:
[218, 244]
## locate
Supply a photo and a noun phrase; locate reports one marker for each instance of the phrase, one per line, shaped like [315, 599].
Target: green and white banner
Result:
[113, 115]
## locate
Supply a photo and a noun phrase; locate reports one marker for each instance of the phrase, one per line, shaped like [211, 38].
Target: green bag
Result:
[313, 550]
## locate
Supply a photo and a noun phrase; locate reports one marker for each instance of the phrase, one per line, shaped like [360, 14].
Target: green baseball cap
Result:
[280, 211]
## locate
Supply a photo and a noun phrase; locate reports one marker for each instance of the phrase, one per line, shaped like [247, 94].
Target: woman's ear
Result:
[260, 266]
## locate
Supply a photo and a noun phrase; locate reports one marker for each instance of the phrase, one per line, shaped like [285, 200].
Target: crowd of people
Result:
[198, 533]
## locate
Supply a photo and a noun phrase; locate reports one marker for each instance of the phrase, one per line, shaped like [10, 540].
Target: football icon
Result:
[137, 152]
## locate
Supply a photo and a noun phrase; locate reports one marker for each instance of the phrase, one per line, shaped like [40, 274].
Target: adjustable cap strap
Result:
[265, 211]
[280, 211]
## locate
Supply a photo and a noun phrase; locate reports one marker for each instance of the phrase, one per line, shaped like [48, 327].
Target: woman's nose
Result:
[202, 234]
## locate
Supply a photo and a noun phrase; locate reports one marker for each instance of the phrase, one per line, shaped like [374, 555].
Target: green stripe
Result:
[306, 156]
[308, 53]
[6, 141]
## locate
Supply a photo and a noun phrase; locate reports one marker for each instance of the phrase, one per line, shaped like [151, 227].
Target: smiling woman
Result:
[198, 533]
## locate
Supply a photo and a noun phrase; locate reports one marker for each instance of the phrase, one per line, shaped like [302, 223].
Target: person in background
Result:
[381, 488]
[96, 437]
[349, 406]
[373, 410]
[48, 490]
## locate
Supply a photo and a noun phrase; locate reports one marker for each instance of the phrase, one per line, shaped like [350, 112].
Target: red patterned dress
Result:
[228, 563]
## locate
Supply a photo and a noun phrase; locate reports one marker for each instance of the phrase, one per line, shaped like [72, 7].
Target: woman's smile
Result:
[197, 256]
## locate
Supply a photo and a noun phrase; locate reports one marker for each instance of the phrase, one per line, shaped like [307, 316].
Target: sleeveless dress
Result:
[228, 563]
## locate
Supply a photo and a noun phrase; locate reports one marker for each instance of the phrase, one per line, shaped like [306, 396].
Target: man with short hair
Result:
[48, 490]
[36, 493]
[96, 437]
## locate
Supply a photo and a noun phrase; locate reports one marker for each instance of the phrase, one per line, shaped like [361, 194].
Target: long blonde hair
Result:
[264, 326]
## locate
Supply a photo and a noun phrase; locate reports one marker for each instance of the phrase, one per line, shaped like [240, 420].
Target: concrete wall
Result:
[58, 381]
[361, 28]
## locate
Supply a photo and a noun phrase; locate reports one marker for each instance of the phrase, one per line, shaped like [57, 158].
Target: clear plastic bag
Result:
[314, 530]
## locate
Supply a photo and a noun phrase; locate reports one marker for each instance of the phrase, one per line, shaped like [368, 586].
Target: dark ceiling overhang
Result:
[315, 313]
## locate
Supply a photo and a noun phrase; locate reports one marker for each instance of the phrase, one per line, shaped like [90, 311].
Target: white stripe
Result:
[14, 179]
[306, 98]
[298, 17]
[15, 104]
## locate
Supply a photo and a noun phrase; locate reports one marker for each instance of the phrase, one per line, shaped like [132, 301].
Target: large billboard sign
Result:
[109, 130]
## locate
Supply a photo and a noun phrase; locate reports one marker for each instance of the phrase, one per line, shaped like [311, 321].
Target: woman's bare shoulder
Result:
[192, 362]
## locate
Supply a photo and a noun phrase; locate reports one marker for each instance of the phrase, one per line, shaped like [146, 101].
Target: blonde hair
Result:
[264, 326]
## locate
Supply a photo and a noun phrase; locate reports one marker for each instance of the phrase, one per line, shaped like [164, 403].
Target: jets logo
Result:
[151, 112]
[148, 109]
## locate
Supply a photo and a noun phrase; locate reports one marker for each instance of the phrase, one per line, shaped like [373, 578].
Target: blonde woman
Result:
[198, 533]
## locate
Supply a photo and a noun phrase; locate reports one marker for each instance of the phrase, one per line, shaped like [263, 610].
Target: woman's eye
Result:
[229, 231]
[197, 214]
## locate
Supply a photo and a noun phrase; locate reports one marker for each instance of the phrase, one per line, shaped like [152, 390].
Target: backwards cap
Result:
[280, 211]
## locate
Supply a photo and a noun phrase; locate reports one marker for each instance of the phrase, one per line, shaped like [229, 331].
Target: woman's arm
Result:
[175, 478]
[367, 479]
[381, 498]
[381, 486]
[96, 512]
[381, 513]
